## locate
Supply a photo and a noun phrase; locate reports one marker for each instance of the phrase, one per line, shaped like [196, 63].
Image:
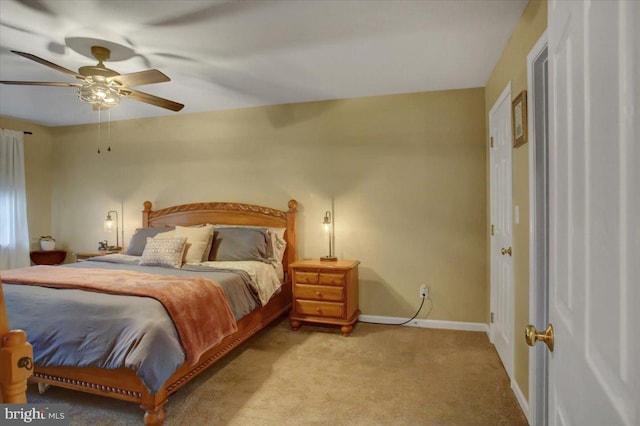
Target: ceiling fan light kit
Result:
[103, 87]
[102, 94]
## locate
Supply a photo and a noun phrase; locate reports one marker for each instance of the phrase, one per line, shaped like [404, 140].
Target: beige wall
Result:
[38, 174]
[512, 67]
[406, 176]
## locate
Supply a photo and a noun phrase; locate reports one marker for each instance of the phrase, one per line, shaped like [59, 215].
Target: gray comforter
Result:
[78, 328]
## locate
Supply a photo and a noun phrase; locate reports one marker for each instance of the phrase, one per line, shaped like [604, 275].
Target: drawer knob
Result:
[318, 310]
[318, 294]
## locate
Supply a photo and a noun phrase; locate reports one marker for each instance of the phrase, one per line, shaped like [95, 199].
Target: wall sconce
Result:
[327, 227]
[109, 225]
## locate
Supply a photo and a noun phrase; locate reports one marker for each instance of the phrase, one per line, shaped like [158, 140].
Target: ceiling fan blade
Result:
[141, 78]
[42, 83]
[151, 99]
[49, 64]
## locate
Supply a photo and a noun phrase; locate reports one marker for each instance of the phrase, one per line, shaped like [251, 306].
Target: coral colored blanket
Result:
[197, 306]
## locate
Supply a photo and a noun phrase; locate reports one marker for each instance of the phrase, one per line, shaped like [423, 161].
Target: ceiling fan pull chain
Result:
[109, 128]
[99, 130]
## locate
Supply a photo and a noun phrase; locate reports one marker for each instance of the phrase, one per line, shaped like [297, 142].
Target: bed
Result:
[125, 383]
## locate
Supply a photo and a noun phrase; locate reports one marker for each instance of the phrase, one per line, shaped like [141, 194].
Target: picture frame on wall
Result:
[519, 119]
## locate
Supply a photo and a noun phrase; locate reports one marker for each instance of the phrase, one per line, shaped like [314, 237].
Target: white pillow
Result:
[165, 235]
[163, 252]
[199, 240]
[278, 242]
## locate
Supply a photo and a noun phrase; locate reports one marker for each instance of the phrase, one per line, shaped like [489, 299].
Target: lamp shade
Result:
[108, 223]
[326, 223]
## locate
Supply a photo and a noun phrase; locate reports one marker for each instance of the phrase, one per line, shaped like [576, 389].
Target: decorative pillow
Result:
[164, 252]
[240, 243]
[199, 242]
[139, 239]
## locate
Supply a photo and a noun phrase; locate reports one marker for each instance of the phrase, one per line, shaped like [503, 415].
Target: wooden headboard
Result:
[228, 214]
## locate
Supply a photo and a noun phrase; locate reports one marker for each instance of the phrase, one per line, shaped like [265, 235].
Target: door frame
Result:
[538, 304]
[508, 363]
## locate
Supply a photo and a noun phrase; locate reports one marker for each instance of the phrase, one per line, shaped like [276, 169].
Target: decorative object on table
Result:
[108, 227]
[327, 228]
[47, 242]
[519, 119]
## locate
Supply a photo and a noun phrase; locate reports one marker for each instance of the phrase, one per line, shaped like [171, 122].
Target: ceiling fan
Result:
[103, 87]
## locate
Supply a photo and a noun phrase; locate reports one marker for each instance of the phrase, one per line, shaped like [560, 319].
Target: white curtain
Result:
[14, 232]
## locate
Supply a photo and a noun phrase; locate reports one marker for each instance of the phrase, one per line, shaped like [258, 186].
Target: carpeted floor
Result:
[380, 375]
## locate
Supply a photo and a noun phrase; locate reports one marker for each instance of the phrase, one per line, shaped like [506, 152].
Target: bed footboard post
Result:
[153, 405]
[16, 360]
[16, 366]
[153, 416]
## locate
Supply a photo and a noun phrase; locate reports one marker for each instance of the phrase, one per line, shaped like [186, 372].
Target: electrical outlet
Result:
[424, 291]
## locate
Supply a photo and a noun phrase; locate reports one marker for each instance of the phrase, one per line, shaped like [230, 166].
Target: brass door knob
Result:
[531, 336]
[505, 251]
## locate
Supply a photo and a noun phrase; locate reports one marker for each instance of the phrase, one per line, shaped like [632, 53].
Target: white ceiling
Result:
[242, 53]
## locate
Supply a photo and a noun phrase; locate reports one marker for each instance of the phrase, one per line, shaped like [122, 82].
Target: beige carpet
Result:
[380, 375]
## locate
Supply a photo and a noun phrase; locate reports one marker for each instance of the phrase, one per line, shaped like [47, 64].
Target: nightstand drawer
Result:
[305, 291]
[306, 277]
[319, 309]
[331, 279]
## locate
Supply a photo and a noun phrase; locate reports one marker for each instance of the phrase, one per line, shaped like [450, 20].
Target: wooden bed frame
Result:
[16, 361]
[123, 383]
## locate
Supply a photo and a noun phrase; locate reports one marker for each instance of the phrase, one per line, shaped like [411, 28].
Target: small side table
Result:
[81, 256]
[325, 293]
[48, 257]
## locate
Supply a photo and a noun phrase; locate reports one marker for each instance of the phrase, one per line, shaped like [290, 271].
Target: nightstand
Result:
[325, 293]
[48, 257]
[81, 256]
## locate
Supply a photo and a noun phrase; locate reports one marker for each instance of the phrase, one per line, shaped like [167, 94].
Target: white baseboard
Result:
[524, 404]
[424, 323]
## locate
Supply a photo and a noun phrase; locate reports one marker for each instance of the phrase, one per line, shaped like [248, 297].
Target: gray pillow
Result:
[240, 244]
[139, 239]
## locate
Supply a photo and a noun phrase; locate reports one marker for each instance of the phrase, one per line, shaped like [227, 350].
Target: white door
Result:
[500, 159]
[594, 300]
